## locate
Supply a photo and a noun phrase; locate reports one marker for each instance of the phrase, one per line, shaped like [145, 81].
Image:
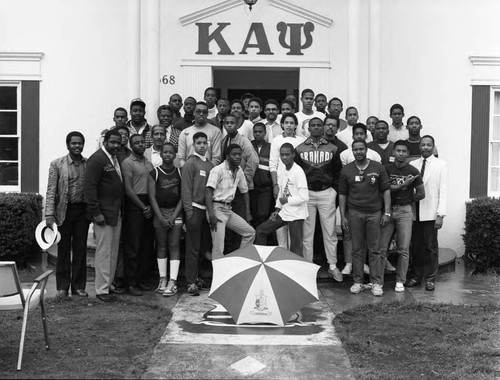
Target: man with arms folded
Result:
[406, 187]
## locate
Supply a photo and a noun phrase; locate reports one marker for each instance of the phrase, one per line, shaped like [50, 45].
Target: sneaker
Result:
[337, 276]
[366, 269]
[202, 285]
[193, 290]
[171, 289]
[368, 286]
[389, 267]
[357, 288]
[347, 269]
[399, 287]
[162, 285]
[377, 290]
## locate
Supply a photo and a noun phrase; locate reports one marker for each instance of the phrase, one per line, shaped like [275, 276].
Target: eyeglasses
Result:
[201, 112]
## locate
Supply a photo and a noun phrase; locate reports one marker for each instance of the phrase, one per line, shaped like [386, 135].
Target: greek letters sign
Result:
[294, 38]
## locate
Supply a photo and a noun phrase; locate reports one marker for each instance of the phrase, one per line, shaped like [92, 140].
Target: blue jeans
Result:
[366, 226]
[402, 221]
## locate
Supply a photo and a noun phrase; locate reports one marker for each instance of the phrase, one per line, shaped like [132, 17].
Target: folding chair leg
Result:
[44, 322]
[23, 334]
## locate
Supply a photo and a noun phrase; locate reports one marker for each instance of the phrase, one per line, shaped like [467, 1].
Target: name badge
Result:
[359, 178]
[202, 173]
[391, 159]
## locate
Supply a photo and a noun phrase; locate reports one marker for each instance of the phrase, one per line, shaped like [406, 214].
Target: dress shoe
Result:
[115, 290]
[430, 286]
[412, 283]
[105, 297]
[118, 285]
[61, 294]
[133, 291]
[144, 286]
[80, 293]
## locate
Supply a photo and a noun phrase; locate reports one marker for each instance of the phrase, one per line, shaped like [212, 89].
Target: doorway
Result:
[266, 83]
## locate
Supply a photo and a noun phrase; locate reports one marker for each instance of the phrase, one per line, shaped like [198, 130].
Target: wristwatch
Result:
[387, 214]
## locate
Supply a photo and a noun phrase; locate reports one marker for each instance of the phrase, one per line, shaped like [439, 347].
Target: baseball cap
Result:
[137, 101]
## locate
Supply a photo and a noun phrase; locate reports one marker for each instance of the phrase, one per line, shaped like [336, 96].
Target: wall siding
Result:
[30, 135]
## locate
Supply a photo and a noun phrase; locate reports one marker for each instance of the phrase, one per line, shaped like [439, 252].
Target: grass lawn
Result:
[408, 340]
[88, 338]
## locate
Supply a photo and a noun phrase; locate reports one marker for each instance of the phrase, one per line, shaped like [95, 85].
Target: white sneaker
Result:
[347, 269]
[162, 285]
[399, 287]
[366, 269]
[357, 288]
[377, 290]
[171, 289]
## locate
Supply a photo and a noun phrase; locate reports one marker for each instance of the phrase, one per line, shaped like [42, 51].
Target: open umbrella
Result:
[261, 284]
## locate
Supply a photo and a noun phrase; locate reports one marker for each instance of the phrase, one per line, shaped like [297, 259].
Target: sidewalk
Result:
[190, 349]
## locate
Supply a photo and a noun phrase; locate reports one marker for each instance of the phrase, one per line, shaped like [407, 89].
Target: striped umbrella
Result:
[260, 284]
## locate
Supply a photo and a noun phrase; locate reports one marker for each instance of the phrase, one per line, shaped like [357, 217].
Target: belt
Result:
[227, 204]
[319, 188]
[400, 206]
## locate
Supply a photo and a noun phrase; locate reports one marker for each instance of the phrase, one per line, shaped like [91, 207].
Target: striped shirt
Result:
[224, 182]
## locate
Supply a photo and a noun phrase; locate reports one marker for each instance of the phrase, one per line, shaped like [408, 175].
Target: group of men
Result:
[248, 171]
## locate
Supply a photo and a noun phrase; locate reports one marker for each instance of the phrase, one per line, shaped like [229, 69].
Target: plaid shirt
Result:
[224, 182]
[145, 130]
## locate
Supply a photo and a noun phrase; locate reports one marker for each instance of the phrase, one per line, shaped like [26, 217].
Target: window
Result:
[494, 144]
[10, 133]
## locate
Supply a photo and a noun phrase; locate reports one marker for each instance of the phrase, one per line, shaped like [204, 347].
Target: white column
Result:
[353, 97]
[374, 59]
[134, 48]
[150, 57]
[195, 80]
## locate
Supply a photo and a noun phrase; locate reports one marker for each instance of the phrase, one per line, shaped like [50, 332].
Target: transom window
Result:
[10, 132]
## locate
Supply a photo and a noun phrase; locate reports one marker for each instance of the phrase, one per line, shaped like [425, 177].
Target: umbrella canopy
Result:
[262, 284]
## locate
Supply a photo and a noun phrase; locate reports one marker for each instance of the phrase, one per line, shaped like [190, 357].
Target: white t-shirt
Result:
[346, 136]
[278, 141]
[293, 183]
[246, 130]
[303, 127]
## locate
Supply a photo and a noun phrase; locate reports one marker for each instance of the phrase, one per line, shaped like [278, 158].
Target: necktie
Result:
[117, 168]
[224, 147]
[422, 171]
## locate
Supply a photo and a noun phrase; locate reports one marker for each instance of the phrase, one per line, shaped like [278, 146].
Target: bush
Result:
[482, 233]
[20, 213]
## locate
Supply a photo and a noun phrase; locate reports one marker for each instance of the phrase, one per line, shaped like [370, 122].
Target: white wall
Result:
[425, 66]
[84, 68]
[94, 61]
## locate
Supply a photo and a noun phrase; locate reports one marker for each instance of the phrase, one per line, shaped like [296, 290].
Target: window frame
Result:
[18, 85]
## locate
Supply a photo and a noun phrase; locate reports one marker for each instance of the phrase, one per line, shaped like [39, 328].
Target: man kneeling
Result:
[291, 205]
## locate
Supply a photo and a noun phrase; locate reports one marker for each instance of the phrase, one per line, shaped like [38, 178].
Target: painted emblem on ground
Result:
[199, 320]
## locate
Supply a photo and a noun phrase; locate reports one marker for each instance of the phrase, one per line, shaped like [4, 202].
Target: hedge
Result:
[482, 233]
[20, 213]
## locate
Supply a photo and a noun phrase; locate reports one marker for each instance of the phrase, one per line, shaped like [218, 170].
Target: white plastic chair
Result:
[14, 298]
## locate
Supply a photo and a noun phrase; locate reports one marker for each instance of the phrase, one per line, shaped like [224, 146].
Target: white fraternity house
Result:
[66, 65]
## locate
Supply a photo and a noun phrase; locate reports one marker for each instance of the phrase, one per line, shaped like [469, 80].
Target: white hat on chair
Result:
[46, 236]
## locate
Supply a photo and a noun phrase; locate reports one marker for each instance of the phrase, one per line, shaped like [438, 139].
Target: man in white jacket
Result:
[429, 214]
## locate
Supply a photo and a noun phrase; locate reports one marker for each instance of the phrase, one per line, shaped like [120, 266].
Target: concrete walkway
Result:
[193, 348]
